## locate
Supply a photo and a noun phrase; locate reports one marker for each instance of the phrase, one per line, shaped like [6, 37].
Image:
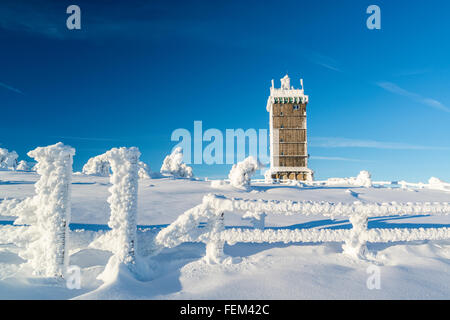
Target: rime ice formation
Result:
[123, 204]
[212, 208]
[240, 174]
[362, 180]
[23, 166]
[8, 160]
[98, 166]
[173, 165]
[48, 212]
[438, 184]
[355, 244]
[214, 247]
[145, 172]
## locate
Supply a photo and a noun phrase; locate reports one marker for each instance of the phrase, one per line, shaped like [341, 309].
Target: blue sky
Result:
[137, 70]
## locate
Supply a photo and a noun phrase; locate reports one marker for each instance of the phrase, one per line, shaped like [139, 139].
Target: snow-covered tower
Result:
[288, 138]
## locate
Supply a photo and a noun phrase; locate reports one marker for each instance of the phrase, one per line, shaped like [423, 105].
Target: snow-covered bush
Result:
[48, 211]
[173, 165]
[362, 180]
[98, 166]
[8, 160]
[23, 166]
[145, 172]
[438, 184]
[240, 174]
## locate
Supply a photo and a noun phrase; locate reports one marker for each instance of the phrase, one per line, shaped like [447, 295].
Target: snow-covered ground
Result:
[258, 271]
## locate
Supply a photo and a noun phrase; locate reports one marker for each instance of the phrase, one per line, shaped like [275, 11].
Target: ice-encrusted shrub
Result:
[98, 166]
[173, 165]
[8, 160]
[240, 174]
[48, 212]
[145, 172]
[362, 180]
[23, 166]
[438, 184]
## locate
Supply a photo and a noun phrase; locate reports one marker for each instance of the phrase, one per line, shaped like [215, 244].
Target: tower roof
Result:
[286, 93]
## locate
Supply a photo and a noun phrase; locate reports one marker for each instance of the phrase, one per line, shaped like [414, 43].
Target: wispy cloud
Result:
[335, 142]
[3, 85]
[324, 61]
[393, 88]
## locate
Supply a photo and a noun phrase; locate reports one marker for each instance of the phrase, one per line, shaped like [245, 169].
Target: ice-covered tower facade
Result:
[288, 136]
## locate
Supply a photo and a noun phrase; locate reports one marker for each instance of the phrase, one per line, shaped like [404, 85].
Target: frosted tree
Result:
[48, 212]
[23, 166]
[98, 166]
[8, 160]
[438, 184]
[240, 174]
[144, 171]
[173, 165]
[364, 179]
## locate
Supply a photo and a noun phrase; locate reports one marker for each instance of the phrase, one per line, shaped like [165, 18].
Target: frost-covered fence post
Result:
[356, 245]
[123, 202]
[214, 246]
[48, 255]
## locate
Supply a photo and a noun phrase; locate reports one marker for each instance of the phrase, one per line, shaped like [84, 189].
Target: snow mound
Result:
[219, 184]
[173, 165]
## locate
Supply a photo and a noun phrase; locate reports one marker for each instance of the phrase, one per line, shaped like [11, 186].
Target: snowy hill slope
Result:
[267, 271]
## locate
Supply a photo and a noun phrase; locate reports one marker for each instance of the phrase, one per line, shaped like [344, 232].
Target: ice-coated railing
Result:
[212, 209]
[433, 184]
